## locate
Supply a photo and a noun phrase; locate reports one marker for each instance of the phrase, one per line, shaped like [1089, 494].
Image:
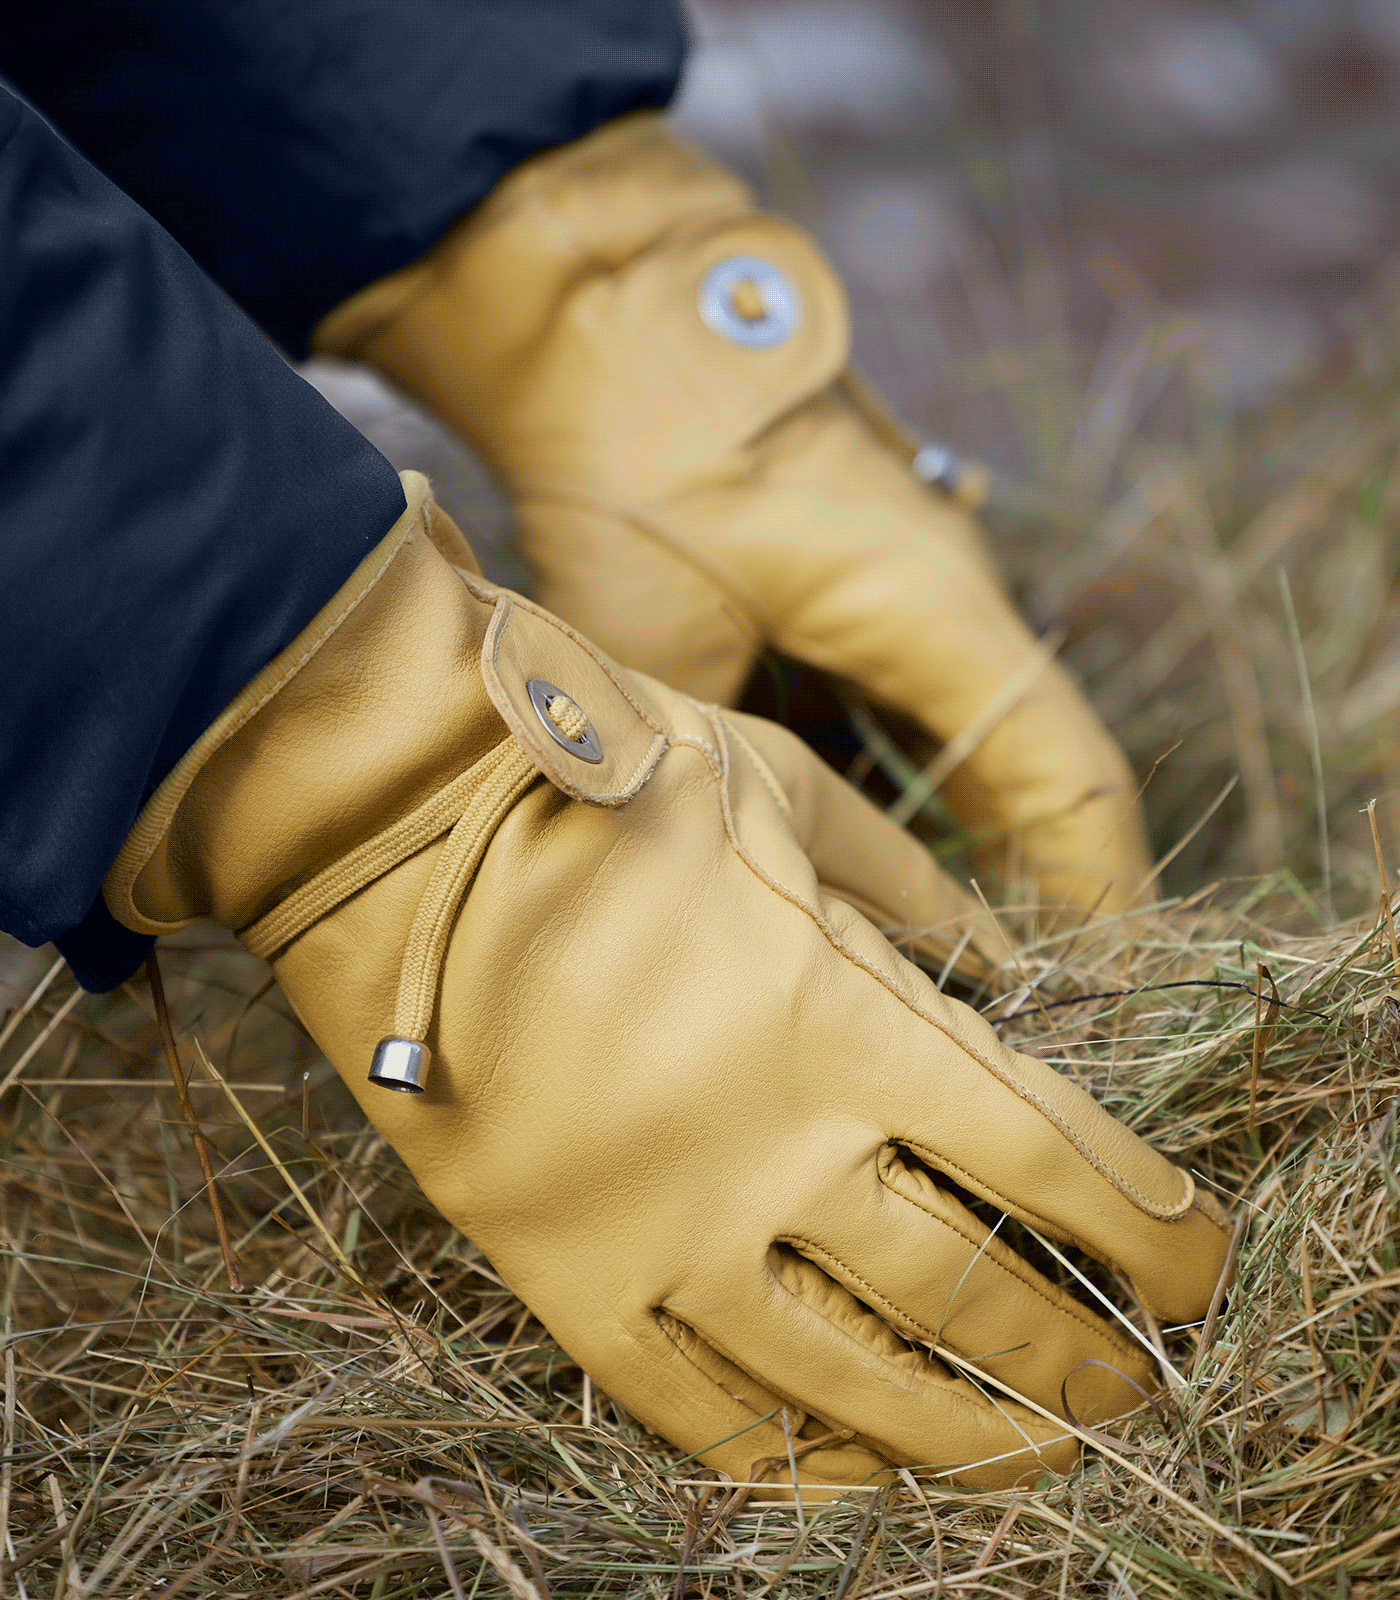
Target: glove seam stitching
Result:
[1074, 1312]
[932, 1336]
[785, 1398]
[506, 604]
[516, 601]
[947, 1387]
[696, 1367]
[765, 772]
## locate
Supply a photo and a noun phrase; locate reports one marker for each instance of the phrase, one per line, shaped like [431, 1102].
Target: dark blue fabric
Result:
[300, 149]
[175, 505]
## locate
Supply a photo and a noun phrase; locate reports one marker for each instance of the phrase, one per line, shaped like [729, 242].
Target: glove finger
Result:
[920, 626]
[677, 1383]
[803, 1335]
[1016, 1133]
[918, 1257]
[1056, 795]
[923, 627]
[688, 1391]
[863, 858]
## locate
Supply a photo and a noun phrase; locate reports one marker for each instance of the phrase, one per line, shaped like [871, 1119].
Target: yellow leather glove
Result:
[700, 1115]
[657, 372]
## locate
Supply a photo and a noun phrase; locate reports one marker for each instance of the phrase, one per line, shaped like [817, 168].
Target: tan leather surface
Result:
[698, 1112]
[687, 500]
[863, 858]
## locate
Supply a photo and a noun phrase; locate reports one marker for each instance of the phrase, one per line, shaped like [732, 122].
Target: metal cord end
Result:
[937, 466]
[401, 1064]
[964, 482]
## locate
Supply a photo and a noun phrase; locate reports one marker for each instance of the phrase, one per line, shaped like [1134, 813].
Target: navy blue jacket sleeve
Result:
[301, 149]
[175, 505]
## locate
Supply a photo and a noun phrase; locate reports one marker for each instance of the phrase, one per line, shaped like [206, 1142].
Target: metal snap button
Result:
[563, 720]
[748, 301]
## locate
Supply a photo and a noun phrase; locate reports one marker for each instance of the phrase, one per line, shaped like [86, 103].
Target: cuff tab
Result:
[619, 737]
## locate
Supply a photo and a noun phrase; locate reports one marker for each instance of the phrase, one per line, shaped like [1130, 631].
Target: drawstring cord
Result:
[468, 810]
[426, 947]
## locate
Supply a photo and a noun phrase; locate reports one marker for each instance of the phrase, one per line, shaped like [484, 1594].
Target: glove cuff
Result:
[618, 290]
[367, 738]
[168, 897]
[593, 203]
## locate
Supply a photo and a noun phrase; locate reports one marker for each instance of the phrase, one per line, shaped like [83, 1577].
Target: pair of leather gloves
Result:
[703, 1118]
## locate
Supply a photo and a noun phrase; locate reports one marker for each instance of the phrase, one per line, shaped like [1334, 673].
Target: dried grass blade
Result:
[37, 1044]
[1263, 1026]
[312, 1215]
[211, 1189]
[1194, 1512]
[35, 995]
[1300, 661]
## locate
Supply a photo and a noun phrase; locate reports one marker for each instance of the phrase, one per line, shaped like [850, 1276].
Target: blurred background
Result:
[1140, 257]
[1236, 162]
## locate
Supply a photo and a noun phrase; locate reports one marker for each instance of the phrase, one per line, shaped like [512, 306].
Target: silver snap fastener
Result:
[748, 301]
[564, 721]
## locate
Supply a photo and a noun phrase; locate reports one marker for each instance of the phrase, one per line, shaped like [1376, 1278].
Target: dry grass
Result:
[1230, 590]
[375, 1416]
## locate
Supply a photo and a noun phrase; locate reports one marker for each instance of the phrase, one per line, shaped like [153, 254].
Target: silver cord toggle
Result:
[748, 301]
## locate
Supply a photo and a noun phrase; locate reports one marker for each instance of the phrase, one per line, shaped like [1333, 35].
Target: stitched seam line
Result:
[1124, 1187]
[952, 1388]
[691, 741]
[784, 1397]
[695, 1366]
[560, 626]
[936, 1158]
[764, 771]
[527, 739]
[789, 1399]
[1103, 1335]
[835, 1261]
